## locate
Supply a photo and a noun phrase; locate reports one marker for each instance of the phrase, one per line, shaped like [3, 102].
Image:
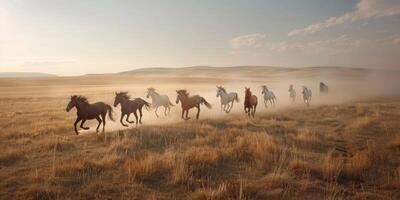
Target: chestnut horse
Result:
[188, 102]
[130, 106]
[87, 111]
[250, 103]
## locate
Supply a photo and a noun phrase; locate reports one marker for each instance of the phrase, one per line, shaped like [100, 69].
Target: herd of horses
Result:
[87, 111]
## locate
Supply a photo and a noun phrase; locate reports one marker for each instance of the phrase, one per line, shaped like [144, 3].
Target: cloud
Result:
[365, 9]
[331, 46]
[252, 41]
[257, 44]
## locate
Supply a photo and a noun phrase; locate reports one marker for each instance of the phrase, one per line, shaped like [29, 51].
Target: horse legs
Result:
[141, 115]
[187, 113]
[122, 117]
[85, 128]
[198, 111]
[228, 107]
[127, 119]
[156, 111]
[266, 103]
[254, 110]
[76, 122]
[136, 117]
[104, 121]
[183, 112]
[231, 107]
[165, 110]
[98, 120]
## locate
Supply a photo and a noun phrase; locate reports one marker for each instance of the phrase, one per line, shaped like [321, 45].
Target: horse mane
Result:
[222, 88]
[153, 90]
[264, 87]
[184, 92]
[123, 95]
[80, 98]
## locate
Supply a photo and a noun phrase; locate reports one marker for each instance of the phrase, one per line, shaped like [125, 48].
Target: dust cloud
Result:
[344, 86]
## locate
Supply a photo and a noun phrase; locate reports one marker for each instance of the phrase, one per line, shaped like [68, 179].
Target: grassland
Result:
[328, 151]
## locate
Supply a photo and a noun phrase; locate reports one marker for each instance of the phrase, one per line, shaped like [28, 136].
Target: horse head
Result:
[75, 101]
[181, 94]
[220, 90]
[264, 89]
[247, 91]
[72, 103]
[120, 97]
[149, 90]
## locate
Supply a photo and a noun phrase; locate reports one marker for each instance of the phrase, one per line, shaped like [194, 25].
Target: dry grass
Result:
[322, 152]
[9, 156]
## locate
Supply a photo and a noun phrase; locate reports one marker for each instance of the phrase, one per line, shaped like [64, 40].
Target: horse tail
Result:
[205, 103]
[236, 97]
[110, 112]
[146, 104]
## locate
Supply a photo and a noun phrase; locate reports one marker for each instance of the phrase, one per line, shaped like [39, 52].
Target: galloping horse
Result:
[307, 95]
[268, 96]
[159, 100]
[188, 102]
[87, 111]
[292, 93]
[250, 103]
[323, 88]
[226, 98]
[130, 106]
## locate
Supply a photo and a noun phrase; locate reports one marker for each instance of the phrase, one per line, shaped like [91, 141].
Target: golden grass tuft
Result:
[152, 166]
[332, 166]
[10, 156]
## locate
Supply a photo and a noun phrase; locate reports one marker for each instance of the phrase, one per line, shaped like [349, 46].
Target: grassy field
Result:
[349, 150]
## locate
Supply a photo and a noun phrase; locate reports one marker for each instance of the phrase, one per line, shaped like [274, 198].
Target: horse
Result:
[307, 95]
[250, 103]
[269, 96]
[87, 111]
[226, 99]
[188, 102]
[129, 106]
[159, 100]
[323, 89]
[292, 93]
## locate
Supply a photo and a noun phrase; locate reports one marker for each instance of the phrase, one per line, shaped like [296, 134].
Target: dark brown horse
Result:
[250, 103]
[188, 102]
[87, 111]
[130, 106]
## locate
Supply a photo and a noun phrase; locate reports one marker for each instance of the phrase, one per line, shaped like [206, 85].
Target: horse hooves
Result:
[85, 128]
[77, 133]
[125, 125]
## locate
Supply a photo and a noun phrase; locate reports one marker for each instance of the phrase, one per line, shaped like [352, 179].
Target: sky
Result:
[73, 37]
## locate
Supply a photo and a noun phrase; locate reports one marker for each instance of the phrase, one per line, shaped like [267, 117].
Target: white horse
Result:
[159, 100]
[307, 95]
[292, 93]
[269, 96]
[226, 99]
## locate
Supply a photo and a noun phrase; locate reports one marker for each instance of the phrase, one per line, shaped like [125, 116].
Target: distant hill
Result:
[24, 74]
[250, 71]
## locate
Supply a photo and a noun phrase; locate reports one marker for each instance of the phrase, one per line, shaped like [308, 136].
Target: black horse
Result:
[130, 106]
[87, 111]
[323, 88]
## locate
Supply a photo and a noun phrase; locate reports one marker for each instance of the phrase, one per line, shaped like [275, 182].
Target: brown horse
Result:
[250, 103]
[87, 111]
[188, 102]
[130, 106]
